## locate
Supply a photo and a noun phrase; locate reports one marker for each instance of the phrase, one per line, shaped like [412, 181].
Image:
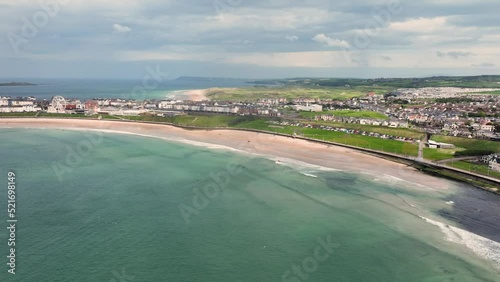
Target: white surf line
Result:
[310, 175]
[483, 247]
[296, 164]
[173, 139]
[284, 161]
[292, 163]
[390, 179]
[404, 200]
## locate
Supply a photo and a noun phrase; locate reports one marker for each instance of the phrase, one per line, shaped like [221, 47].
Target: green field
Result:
[461, 145]
[368, 142]
[402, 132]
[191, 120]
[17, 114]
[497, 92]
[473, 167]
[390, 146]
[469, 144]
[483, 81]
[259, 92]
[345, 113]
[438, 154]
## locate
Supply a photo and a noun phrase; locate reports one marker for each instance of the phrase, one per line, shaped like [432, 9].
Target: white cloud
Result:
[439, 34]
[307, 59]
[332, 42]
[421, 25]
[291, 38]
[166, 55]
[315, 59]
[121, 28]
[266, 19]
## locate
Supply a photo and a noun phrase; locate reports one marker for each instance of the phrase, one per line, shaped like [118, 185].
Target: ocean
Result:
[114, 207]
[113, 89]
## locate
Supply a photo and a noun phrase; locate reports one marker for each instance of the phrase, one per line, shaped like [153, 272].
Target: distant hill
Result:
[483, 81]
[17, 84]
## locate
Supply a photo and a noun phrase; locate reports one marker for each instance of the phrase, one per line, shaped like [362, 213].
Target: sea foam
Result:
[483, 247]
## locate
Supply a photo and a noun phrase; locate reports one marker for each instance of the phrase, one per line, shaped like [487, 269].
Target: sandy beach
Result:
[281, 149]
[195, 94]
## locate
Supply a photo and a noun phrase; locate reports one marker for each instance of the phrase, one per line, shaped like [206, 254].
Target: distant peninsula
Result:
[17, 84]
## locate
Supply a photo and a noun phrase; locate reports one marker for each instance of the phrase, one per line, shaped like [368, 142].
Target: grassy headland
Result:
[261, 92]
[483, 81]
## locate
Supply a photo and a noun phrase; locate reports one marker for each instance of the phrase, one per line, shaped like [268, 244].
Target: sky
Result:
[248, 39]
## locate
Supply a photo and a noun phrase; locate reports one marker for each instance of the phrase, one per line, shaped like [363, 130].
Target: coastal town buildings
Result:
[9, 105]
[493, 161]
[461, 112]
[91, 107]
[308, 108]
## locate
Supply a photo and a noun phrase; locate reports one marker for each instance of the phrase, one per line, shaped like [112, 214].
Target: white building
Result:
[494, 166]
[436, 145]
[308, 108]
[22, 103]
[20, 109]
[4, 101]
[485, 127]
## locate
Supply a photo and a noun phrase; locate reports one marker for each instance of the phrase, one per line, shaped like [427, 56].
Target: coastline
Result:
[295, 153]
[269, 146]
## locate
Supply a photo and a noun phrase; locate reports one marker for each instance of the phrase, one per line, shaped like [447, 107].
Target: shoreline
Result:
[428, 168]
[268, 146]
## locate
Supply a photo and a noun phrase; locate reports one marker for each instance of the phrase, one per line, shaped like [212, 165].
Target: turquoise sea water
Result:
[127, 208]
[108, 88]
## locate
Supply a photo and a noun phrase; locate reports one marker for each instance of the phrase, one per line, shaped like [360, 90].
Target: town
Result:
[472, 113]
[449, 111]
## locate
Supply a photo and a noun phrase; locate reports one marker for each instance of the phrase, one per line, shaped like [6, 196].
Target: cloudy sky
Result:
[251, 39]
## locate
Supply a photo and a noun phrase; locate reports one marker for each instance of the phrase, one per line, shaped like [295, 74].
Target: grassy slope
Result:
[438, 154]
[485, 81]
[477, 168]
[17, 114]
[403, 132]
[345, 113]
[470, 144]
[255, 93]
[390, 146]
[497, 92]
[461, 144]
